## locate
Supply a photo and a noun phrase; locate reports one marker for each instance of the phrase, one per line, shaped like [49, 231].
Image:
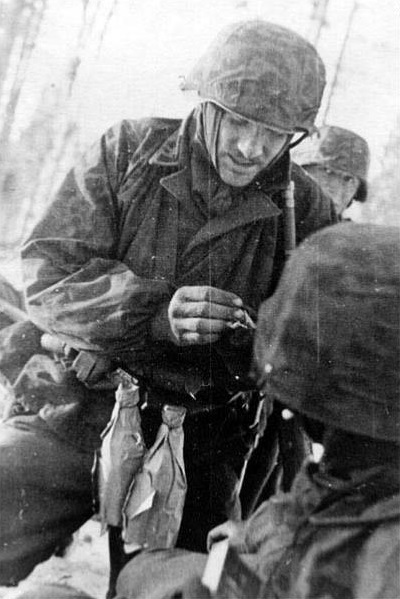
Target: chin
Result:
[235, 179]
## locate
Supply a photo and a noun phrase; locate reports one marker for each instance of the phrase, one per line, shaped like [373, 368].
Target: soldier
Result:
[161, 243]
[327, 347]
[338, 159]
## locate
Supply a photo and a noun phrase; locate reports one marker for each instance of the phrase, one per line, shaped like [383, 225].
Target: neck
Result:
[346, 453]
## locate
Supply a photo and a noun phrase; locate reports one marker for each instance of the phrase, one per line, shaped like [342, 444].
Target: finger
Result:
[206, 293]
[220, 532]
[207, 310]
[216, 534]
[200, 325]
[187, 338]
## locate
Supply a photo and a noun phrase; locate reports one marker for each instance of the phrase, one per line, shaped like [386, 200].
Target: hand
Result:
[233, 531]
[200, 314]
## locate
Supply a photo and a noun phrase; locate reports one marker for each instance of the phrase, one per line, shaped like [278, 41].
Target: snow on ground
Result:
[85, 565]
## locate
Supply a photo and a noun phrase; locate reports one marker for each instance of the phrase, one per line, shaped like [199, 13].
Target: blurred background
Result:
[68, 70]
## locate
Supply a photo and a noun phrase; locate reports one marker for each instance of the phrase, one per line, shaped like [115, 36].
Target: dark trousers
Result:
[45, 494]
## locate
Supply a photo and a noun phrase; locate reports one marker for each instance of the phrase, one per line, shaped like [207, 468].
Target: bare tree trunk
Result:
[30, 173]
[29, 25]
[10, 19]
[96, 15]
[318, 20]
[339, 62]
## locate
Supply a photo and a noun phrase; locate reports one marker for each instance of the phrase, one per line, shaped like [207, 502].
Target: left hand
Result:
[234, 531]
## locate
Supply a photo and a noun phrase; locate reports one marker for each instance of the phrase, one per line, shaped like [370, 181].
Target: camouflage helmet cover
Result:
[328, 341]
[341, 150]
[263, 72]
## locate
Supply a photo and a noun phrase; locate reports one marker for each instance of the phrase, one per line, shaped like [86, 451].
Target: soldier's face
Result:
[244, 149]
[341, 187]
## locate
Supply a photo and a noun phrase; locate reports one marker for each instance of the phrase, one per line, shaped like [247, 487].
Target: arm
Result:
[77, 287]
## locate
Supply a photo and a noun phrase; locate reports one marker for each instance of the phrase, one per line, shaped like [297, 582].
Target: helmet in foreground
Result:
[328, 343]
[339, 149]
[263, 72]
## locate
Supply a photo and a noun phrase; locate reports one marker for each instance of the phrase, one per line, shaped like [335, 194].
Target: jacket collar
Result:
[173, 151]
[168, 153]
[326, 500]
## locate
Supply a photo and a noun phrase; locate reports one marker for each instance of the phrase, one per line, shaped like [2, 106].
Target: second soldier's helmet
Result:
[339, 149]
[263, 72]
[328, 341]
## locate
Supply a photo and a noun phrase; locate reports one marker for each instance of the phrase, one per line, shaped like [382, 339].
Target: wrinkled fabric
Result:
[154, 505]
[327, 538]
[159, 574]
[45, 387]
[38, 382]
[104, 257]
[120, 236]
[18, 342]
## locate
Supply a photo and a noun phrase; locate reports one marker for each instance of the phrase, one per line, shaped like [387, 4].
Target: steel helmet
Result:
[328, 341]
[263, 72]
[341, 150]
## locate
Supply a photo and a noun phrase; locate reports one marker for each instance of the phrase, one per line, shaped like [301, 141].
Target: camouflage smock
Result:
[125, 231]
[329, 538]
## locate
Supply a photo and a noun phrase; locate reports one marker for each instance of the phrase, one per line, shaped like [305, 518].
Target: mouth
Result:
[241, 164]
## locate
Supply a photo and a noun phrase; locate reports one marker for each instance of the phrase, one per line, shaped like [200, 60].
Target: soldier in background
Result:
[338, 159]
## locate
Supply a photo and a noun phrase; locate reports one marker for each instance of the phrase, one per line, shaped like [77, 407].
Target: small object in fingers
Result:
[237, 325]
[248, 322]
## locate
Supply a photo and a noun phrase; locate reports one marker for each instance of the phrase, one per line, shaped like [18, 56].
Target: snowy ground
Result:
[85, 565]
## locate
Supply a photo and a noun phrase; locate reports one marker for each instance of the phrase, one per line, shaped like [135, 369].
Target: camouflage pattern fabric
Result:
[264, 72]
[339, 149]
[341, 368]
[126, 219]
[328, 538]
[122, 233]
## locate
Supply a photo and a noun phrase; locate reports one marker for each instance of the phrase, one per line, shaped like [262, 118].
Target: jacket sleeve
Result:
[75, 285]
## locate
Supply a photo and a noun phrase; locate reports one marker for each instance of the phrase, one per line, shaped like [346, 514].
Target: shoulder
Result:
[132, 133]
[133, 142]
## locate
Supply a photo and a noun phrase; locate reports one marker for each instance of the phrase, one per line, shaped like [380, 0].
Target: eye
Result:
[347, 178]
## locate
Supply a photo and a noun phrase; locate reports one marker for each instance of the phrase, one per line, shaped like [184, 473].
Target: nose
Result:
[251, 142]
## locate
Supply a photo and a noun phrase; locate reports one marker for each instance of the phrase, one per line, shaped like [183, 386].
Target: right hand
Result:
[233, 531]
[200, 314]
